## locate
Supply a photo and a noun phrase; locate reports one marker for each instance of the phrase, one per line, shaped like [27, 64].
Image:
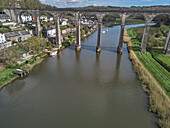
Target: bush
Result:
[149, 45]
[9, 66]
[13, 42]
[32, 60]
[139, 36]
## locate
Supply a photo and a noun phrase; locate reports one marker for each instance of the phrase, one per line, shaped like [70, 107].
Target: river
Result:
[79, 90]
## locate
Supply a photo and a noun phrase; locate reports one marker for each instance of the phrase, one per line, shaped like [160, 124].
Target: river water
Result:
[79, 90]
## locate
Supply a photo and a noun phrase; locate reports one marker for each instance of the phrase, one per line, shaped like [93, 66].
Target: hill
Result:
[23, 4]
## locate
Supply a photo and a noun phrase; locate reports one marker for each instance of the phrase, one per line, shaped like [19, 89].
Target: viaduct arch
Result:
[124, 13]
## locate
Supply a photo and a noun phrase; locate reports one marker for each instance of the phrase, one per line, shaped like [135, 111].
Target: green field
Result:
[165, 59]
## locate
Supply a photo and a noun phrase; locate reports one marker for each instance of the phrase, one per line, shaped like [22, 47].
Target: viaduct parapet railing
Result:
[149, 14]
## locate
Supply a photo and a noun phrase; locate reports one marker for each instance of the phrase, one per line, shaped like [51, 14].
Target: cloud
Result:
[148, 0]
[122, 3]
[64, 2]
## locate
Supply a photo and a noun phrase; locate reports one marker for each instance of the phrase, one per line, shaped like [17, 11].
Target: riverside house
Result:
[49, 32]
[4, 18]
[23, 53]
[18, 35]
[3, 42]
[46, 18]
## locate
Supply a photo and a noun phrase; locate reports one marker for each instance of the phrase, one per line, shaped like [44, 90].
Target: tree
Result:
[86, 28]
[162, 19]
[21, 3]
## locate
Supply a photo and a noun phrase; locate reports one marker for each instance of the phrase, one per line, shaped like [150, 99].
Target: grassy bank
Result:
[161, 58]
[158, 99]
[6, 75]
[151, 61]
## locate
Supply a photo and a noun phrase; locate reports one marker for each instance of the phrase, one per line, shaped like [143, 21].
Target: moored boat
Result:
[53, 53]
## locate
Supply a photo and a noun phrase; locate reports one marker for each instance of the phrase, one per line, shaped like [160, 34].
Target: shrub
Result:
[10, 66]
[32, 60]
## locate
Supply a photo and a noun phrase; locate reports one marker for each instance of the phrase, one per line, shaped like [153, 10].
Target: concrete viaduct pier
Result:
[167, 45]
[149, 15]
[58, 31]
[78, 33]
[120, 46]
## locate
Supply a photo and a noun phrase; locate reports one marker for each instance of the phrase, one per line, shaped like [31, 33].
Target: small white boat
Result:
[107, 30]
[103, 32]
[53, 53]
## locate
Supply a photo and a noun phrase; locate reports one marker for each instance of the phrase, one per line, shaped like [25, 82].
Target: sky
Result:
[121, 3]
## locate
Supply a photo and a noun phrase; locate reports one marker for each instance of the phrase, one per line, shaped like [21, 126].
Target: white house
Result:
[4, 42]
[50, 18]
[2, 38]
[9, 23]
[85, 22]
[64, 22]
[26, 18]
[44, 18]
[4, 18]
[49, 32]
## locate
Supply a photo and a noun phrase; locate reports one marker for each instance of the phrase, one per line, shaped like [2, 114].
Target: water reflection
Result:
[89, 47]
[97, 68]
[78, 66]
[97, 57]
[110, 49]
[117, 68]
[59, 55]
[78, 54]
[59, 61]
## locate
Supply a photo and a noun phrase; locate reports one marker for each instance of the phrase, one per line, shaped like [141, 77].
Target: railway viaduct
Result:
[124, 13]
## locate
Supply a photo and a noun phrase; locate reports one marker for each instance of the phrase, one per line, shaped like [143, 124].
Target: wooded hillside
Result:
[23, 4]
